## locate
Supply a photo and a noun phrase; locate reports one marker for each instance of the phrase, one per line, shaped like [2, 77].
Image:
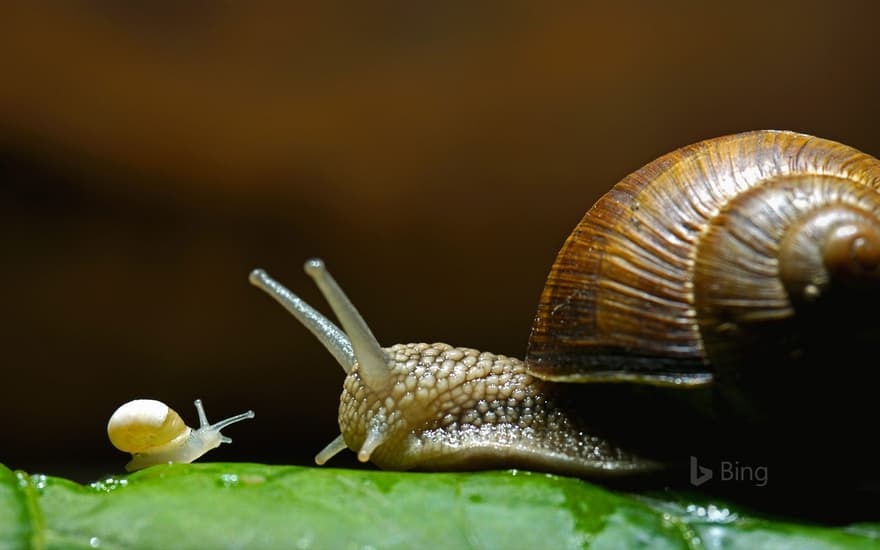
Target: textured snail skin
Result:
[458, 408]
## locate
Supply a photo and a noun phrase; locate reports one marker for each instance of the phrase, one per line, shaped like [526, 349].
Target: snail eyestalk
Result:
[373, 361]
[336, 341]
[204, 425]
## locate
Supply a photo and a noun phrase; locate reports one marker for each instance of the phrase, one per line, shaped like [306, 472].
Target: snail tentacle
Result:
[200, 410]
[208, 435]
[336, 341]
[332, 449]
[205, 426]
[356, 349]
[372, 359]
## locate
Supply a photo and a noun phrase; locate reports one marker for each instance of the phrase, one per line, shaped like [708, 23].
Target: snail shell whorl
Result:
[840, 243]
[145, 425]
[695, 241]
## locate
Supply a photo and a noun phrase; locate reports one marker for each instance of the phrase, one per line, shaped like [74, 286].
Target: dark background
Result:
[435, 155]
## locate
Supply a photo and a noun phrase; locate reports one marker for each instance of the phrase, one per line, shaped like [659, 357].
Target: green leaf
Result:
[215, 505]
[20, 522]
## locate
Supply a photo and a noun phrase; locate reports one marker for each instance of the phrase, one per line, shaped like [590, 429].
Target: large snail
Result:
[725, 288]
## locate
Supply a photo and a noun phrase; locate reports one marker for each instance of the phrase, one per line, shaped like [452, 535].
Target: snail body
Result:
[437, 407]
[712, 271]
[155, 434]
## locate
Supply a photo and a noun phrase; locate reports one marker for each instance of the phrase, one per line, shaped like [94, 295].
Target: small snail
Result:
[707, 303]
[155, 434]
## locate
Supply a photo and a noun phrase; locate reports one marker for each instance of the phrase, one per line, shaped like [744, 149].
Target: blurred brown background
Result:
[435, 155]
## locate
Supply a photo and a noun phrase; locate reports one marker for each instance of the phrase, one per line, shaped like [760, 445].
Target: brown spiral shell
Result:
[705, 252]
